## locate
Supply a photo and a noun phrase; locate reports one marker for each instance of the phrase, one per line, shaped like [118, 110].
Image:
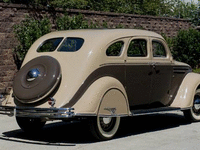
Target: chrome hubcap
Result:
[197, 103]
[107, 120]
[107, 123]
[196, 106]
[32, 74]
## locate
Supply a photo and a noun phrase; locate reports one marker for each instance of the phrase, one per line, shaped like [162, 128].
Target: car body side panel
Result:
[160, 87]
[178, 74]
[89, 103]
[138, 84]
[185, 95]
[116, 71]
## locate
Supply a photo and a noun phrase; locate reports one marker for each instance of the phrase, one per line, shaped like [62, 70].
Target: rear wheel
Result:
[30, 125]
[193, 114]
[104, 128]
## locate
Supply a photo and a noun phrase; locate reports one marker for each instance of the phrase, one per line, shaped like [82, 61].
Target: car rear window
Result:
[49, 45]
[71, 44]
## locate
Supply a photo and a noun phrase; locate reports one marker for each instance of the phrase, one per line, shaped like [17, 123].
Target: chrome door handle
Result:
[153, 64]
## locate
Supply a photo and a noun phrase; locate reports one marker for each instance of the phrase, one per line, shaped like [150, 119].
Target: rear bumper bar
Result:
[32, 112]
[7, 110]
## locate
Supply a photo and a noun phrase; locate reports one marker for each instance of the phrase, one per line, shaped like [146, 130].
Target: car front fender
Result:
[185, 95]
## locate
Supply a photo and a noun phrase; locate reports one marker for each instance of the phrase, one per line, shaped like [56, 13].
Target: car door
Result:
[161, 73]
[138, 72]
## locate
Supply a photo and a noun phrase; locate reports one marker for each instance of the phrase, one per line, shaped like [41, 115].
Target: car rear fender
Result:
[186, 92]
[106, 96]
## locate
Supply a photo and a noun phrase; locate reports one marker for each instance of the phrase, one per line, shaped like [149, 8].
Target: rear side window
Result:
[71, 45]
[115, 49]
[49, 45]
[158, 49]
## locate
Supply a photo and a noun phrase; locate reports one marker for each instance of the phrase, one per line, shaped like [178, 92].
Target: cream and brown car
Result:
[101, 75]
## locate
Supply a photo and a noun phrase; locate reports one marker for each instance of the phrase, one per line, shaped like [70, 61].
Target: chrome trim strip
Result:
[187, 108]
[153, 110]
[90, 115]
[84, 114]
[115, 115]
[178, 69]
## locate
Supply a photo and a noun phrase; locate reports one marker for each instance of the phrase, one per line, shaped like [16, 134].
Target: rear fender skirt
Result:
[113, 103]
[91, 100]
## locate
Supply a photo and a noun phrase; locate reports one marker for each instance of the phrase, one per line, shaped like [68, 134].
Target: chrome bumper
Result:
[32, 112]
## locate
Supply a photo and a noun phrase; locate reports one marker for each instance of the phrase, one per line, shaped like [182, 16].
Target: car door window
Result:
[158, 49]
[115, 49]
[137, 48]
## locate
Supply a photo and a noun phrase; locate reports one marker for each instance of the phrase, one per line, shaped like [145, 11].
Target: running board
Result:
[153, 110]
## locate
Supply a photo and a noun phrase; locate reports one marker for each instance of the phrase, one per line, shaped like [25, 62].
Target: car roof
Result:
[97, 39]
[104, 33]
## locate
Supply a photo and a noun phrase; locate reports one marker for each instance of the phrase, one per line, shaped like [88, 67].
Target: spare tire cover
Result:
[36, 78]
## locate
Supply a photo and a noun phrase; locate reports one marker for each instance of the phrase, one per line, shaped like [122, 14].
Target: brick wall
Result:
[7, 43]
[169, 26]
[11, 14]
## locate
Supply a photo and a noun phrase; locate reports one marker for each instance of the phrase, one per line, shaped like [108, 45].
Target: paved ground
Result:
[153, 132]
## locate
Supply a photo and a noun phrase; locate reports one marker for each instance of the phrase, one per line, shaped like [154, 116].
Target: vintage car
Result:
[100, 75]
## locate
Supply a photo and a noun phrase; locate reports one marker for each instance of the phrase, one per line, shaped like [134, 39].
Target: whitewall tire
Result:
[104, 128]
[193, 114]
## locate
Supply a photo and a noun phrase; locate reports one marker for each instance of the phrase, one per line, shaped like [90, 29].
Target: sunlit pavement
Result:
[151, 132]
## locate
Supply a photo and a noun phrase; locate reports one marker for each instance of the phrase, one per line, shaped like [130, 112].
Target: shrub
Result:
[30, 29]
[186, 47]
[78, 22]
[196, 70]
[27, 32]
[70, 4]
[170, 41]
[75, 22]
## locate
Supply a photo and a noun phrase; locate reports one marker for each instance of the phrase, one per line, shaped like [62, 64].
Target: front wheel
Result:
[193, 114]
[104, 128]
[30, 125]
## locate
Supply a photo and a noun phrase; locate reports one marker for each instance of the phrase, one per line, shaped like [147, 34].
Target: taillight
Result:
[51, 101]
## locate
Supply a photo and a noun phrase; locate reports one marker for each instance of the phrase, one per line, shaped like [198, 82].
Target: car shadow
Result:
[150, 123]
[72, 133]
